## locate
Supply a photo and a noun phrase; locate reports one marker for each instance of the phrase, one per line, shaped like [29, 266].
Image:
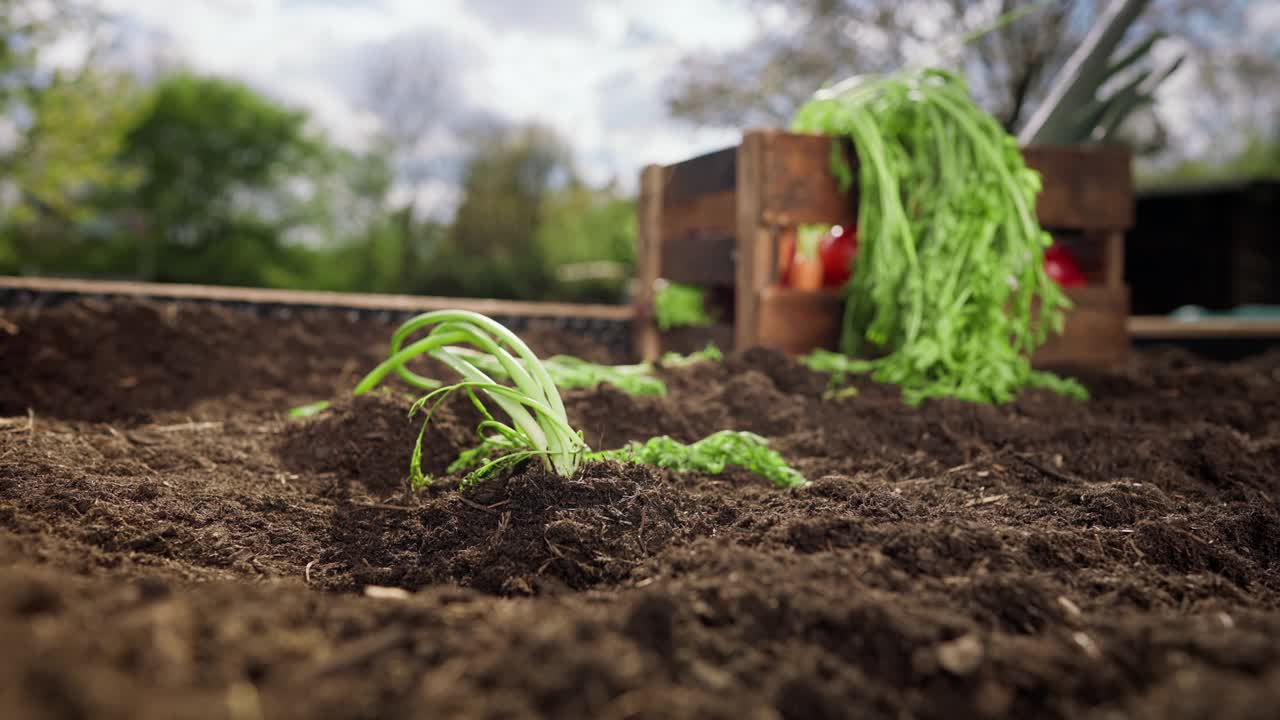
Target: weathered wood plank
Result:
[700, 258]
[1087, 187]
[648, 259]
[755, 248]
[359, 301]
[1161, 327]
[713, 211]
[1095, 333]
[1113, 267]
[705, 174]
[798, 185]
[796, 321]
[1084, 187]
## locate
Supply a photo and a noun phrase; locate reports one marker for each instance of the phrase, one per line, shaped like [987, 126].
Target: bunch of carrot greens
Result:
[949, 292]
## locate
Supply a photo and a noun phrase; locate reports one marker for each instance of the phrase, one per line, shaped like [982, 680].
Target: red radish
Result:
[837, 250]
[1062, 268]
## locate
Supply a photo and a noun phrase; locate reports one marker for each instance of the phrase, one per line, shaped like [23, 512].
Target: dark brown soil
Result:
[173, 545]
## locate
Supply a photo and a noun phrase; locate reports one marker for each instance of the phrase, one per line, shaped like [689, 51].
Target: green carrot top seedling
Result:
[571, 373]
[536, 424]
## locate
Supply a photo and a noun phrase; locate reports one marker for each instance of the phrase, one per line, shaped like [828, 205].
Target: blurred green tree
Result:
[69, 154]
[204, 180]
[345, 227]
[492, 249]
[228, 174]
[588, 240]
[62, 130]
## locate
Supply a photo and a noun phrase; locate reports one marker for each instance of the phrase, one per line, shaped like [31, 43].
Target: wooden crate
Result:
[714, 221]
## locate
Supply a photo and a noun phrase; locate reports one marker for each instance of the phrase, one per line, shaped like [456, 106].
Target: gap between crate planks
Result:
[714, 221]
[171, 546]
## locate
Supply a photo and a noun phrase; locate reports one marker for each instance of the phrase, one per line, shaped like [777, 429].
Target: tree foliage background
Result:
[191, 178]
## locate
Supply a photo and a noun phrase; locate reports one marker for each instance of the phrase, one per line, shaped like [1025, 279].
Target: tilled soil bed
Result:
[173, 545]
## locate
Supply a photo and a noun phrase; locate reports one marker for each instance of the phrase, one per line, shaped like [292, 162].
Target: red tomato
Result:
[837, 250]
[1062, 268]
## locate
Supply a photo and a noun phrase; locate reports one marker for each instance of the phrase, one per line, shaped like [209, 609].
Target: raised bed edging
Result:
[610, 325]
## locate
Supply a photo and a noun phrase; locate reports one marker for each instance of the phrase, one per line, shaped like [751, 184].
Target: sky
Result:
[591, 70]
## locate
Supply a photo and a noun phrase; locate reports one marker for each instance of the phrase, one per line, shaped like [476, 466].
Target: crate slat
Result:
[706, 174]
[798, 187]
[716, 211]
[1095, 333]
[1084, 187]
[796, 321]
[755, 244]
[700, 259]
[649, 205]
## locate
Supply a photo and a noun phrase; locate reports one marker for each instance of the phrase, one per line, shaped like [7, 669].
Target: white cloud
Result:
[592, 71]
[433, 198]
[1264, 21]
[551, 66]
[567, 17]
[10, 195]
[9, 136]
[332, 111]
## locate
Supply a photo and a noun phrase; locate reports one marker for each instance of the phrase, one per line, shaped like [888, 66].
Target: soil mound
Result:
[130, 360]
[530, 533]
[125, 361]
[369, 440]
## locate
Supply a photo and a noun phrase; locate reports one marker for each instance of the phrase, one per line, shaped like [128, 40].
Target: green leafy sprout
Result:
[571, 373]
[949, 292]
[711, 454]
[710, 353]
[538, 426]
[839, 367]
[680, 305]
[478, 348]
[309, 410]
[568, 373]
